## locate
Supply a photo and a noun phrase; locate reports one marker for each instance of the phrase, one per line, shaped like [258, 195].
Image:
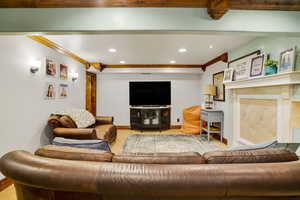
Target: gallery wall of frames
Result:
[259, 64]
[58, 75]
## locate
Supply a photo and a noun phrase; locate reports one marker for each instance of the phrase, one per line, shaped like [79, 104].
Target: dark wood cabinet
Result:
[154, 118]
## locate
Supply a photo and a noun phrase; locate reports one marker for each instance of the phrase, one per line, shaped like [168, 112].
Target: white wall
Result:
[24, 112]
[113, 94]
[207, 78]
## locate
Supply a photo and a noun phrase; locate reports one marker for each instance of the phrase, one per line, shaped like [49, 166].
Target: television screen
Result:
[150, 93]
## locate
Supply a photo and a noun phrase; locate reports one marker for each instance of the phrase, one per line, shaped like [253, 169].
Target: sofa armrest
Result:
[75, 133]
[104, 120]
[54, 122]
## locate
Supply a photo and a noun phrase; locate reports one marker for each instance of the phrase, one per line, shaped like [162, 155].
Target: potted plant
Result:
[271, 67]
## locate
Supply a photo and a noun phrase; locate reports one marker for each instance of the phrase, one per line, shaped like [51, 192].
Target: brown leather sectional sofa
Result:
[61, 174]
[64, 126]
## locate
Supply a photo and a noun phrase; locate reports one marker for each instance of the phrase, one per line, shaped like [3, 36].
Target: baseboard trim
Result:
[128, 127]
[175, 127]
[5, 183]
[123, 127]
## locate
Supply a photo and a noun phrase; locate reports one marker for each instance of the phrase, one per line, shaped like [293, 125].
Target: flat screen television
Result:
[150, 93]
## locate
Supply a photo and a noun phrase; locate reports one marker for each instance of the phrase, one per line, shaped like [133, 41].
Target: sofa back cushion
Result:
[67, 122]
[81, 117]
[250, 156]
[73, 153]
[160, 158]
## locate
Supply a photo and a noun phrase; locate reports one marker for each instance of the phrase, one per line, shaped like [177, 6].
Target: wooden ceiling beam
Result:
[217, 8]
[102, 3]
[232, 4]
[282, 5]
[223, 58]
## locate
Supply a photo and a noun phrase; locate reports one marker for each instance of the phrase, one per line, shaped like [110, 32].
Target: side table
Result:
[210, 116]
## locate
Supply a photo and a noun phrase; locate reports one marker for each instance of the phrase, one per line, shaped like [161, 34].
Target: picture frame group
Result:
[220, 87]
[253, 65]
[58, 72]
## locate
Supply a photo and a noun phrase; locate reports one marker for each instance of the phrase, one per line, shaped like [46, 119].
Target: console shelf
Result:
[154, 117]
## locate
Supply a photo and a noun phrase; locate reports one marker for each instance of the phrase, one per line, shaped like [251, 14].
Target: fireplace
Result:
[264, 109]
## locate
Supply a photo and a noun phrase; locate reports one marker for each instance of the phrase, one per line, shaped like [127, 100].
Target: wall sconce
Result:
[74, 76]
[34, 66]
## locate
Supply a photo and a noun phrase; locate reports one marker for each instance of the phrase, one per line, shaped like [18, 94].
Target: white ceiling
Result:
[149, 48]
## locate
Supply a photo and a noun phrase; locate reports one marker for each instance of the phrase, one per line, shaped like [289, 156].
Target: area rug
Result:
[168, 143]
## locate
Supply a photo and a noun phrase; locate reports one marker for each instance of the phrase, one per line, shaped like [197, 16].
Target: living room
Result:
[161, 96]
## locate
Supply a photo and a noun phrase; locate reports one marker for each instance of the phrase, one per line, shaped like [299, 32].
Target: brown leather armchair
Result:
[64, 126]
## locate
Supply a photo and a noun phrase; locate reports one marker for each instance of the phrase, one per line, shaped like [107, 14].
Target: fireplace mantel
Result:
[289, 78]
[265, 108]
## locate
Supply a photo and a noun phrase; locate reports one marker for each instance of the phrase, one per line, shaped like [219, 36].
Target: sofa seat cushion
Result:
[106, 132]
[160, 158]
[73, 153]
[90, 144]
[250, 156]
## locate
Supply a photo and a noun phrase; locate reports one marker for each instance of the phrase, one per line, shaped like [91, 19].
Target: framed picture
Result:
[287, 60]
[51, 68]
[63, 91]
[63, 69]
[50, 91]
[241, 66]
[220, 87]
[257, 65]
[228, 75]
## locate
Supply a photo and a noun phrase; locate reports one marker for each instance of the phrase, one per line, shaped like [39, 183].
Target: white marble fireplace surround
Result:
[262, 108]
[259, 116]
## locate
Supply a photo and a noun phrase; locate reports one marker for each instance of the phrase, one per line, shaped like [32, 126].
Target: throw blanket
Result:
[81, 117]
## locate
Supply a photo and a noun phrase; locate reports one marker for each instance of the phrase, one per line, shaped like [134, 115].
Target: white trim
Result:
[289, 78]
[258, 96]
[244, 141]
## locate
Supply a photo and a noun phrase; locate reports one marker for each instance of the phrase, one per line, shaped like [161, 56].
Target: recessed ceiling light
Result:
[211, 46]
[182, 50]
[122, 62]
[172, 61]
[112, 50]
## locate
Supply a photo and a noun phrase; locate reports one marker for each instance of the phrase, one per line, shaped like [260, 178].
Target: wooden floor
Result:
[116, 147]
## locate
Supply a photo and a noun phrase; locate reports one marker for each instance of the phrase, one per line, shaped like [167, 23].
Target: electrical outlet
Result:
[178, 119]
